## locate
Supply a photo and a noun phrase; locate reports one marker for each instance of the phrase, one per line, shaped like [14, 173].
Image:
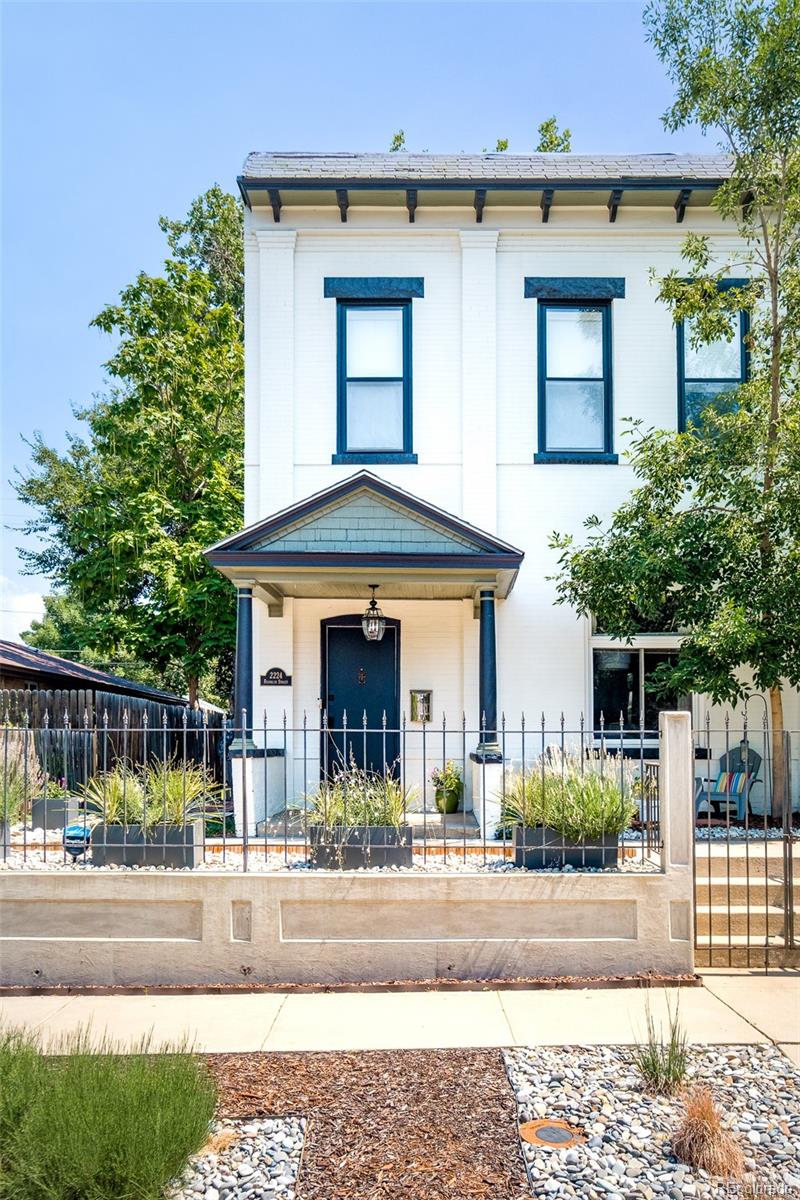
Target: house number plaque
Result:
[276, 677]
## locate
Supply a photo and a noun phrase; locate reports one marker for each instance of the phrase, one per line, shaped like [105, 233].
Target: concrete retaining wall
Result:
[107, 927]
[150, 928]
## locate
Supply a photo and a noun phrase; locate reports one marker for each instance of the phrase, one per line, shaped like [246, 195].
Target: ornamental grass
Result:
[355, 797]
[702, 1141]
[159, 793]
[84, 1120]
[581, 797]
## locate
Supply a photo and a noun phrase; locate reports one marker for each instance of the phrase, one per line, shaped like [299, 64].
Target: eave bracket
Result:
[343, 200]
[275, 201]
[681, 203]
[411, 204]
[545, 204]
[614, 203]
[479, 204]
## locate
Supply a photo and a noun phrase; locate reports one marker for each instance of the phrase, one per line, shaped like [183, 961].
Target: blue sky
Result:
[114, 113]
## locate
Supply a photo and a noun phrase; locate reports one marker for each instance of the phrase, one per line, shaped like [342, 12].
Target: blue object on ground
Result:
[76, 839]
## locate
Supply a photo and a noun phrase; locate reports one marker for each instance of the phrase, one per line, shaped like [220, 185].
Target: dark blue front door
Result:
[360, 677]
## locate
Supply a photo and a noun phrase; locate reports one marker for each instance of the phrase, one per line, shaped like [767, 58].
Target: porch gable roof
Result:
[364, 523]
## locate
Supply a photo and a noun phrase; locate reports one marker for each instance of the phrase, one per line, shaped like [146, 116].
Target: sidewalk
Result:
[733, 1007]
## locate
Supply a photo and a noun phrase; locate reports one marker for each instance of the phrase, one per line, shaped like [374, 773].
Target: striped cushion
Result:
[731, 783]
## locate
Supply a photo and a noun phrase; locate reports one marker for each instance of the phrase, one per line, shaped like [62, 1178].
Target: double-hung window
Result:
[575, 415]
[708, 371]
[374, 381]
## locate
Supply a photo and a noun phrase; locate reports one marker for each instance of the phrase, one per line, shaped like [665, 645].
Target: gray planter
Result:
[348, 848]
[54, 812]
[541, 847]
[159, 846]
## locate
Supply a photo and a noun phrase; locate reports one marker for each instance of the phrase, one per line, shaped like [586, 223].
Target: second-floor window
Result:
[374, 382]
[708, 371]
[574, 380]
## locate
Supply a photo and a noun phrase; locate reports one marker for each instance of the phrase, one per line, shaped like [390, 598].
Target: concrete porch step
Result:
[754, 921]
[720, 889]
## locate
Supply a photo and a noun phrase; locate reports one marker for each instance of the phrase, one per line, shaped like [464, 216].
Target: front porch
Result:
[304, 579]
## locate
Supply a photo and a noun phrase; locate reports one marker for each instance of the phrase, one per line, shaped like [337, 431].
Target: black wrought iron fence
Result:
[746, 848]
[274, 795]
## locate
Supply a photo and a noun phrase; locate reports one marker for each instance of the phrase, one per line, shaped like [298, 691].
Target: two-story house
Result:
[440, 354]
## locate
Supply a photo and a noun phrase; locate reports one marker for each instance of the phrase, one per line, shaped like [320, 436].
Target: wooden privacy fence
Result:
[78, 732]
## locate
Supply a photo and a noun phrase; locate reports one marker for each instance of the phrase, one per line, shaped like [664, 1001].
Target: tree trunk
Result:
[192, 684]
[779, 775]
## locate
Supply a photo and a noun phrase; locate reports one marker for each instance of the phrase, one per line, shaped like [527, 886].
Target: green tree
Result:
[398, 142]
[709, 541]
[553, 140]
[501, 146]
[124, 514]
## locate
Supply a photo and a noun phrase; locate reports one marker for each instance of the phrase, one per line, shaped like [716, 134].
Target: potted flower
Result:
[152, 816]
[568, 811]
[357, 818]
[449, 786]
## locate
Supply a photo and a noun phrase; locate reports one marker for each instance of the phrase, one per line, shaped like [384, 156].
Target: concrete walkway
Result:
[733, 1007]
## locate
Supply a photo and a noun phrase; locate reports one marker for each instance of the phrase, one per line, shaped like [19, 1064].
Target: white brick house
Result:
[440, 355]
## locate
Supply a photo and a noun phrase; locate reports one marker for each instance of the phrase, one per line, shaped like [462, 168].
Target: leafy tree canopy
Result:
[709, 541]
[553, 140]
[123, 516]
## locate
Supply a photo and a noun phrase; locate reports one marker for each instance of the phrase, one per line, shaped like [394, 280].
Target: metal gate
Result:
[746, 850]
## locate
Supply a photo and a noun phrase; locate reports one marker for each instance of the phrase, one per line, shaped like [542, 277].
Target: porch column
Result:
[243, 674]
[488, 749]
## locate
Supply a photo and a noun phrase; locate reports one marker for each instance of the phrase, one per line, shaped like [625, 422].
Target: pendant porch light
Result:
[373, 621]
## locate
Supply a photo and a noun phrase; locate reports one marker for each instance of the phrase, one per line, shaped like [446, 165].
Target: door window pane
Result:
[575, 416]
[374, 343]
[720, 359]
[574, 343]
[374, 416]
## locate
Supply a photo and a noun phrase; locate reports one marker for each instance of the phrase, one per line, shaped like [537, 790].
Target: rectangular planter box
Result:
[161, 846]
[539, 848]
[348, 848]
[53, 812]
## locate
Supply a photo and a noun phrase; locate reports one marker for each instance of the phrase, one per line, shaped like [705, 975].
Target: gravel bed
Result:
[388, 1125]
[253, 1158]
[628, 1152]
[276, 861]
[721, 833]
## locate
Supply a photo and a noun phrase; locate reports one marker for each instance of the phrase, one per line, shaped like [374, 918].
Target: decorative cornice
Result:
[275, 239]
[479, 239]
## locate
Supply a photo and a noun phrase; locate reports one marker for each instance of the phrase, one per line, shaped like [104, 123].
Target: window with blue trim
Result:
[374, 380]
[707, 371]
[575, 415]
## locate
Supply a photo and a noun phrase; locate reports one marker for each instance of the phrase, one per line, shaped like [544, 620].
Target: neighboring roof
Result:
[297, 167]
[25, 659]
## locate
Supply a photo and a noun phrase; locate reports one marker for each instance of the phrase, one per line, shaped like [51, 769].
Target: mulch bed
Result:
[387, 1124]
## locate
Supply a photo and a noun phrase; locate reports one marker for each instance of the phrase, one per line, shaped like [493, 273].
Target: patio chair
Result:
[738, 773]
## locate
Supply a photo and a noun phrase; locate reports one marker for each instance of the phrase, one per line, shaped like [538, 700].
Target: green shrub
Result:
[86, 1121]
[356, 797]
[581, 798]
[662, 1064]
[171, 793]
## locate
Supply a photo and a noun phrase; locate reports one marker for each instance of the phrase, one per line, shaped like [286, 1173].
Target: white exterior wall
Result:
[475, 421]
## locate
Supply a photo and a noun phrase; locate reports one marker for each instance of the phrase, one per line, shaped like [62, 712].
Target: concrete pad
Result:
[769, 1002]
[389, 1020]
[208, 1023]
[618, 1016]
[31, 1012]
[792, 1052]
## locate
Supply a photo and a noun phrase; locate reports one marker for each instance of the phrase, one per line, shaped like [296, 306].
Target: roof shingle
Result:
[302, 167]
